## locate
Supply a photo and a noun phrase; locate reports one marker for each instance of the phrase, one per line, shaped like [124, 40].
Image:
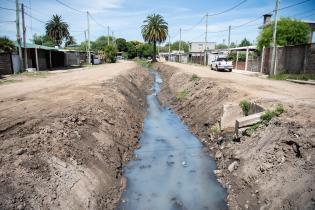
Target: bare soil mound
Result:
[64, 148]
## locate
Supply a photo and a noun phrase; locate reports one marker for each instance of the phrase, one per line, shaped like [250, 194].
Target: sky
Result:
[125, 17]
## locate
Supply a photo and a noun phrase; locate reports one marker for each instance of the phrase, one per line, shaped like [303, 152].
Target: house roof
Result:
[32, 46]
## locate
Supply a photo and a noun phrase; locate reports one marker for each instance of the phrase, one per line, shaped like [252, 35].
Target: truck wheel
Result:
[230, 70]
[216, 68]
[211, 67]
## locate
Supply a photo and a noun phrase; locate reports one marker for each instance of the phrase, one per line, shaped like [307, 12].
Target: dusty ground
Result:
[275, 167]
[64, 138]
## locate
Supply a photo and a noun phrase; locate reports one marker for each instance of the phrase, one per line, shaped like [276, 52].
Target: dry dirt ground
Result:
[64, 138]
[274, 167]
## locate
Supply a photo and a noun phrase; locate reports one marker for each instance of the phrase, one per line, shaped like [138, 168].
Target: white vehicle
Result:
[221, 64]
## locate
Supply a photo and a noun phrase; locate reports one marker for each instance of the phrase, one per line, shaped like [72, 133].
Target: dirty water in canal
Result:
[171, 170]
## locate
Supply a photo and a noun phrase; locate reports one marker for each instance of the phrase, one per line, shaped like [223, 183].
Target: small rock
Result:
[246, 206]
[218, 173]
[218, 155]
[21, 151]
[20, 207]
[184, 163]
[232, 166]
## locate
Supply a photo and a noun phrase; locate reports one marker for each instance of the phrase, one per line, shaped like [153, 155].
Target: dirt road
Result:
[64, 138]
[254, 86]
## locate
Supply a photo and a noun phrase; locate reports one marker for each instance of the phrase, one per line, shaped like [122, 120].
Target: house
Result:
[197, 51]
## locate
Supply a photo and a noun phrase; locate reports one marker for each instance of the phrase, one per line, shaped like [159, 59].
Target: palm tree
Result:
[154, 30]
[57, 29]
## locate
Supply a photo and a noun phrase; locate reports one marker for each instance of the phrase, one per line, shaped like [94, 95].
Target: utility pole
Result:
[169, 47]
[24, 38]
[113, 39]
[88, 34]
[18, 33]
[86, 47]
[229, 37]
[274, 40]
[179, 45]
[107, 35]
[206, 41]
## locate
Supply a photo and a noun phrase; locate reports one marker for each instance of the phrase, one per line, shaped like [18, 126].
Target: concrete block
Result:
[248, 120]
[231, 112]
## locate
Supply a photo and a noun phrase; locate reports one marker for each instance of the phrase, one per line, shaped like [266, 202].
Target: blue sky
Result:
[125, 17]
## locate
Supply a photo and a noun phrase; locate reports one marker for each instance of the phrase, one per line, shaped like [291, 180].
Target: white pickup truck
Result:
[221, 64]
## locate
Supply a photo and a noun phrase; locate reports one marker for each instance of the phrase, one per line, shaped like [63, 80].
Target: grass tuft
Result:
[182, 95]
[245, 105]
[195, 78]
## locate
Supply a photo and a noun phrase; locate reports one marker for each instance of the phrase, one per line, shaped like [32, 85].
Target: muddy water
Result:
[171, 171]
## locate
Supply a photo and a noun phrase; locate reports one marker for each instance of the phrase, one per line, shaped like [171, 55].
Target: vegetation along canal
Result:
[171, 170]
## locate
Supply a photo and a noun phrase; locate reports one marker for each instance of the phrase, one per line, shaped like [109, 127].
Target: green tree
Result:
[110, 53]
[70, 41]
[144, 50]
[232, 45]
[131, 50]
[154, 30]
[42, 40]
[221, 46]
[289, 32]
[121, 45]
[101, 42]
[184, 46]
[244, 43]
[6, 45]
[57, 30]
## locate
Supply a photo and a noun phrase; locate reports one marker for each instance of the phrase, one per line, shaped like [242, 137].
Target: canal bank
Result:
[261, 171]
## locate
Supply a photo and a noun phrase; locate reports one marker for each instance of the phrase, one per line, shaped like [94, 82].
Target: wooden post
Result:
[246, 62]
[50, 63]
[262, 59]
[36, 59]
[237, 52]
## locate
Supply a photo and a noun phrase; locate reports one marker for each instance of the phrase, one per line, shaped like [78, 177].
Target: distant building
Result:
[198, 47]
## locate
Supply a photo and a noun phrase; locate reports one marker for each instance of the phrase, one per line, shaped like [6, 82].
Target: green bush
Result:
[194, 78]
[245, 105]
[182, 95]
[269, 114]
[110, 53]
[283, 75]
[143, 62]
[215, 129]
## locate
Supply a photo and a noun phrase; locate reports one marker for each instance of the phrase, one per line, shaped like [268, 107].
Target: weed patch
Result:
[143, 62]
[180, 96]
[245, 105]
[195, 78]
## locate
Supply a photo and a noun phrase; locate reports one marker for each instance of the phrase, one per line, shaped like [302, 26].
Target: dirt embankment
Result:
[64, 148]
[273, 168]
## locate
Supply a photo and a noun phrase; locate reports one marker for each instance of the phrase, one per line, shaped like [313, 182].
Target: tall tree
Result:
[154, 30]
[121, 45]
[57, 29]
[6, 45]
[70, 41]
[245, 43]
[289, 32]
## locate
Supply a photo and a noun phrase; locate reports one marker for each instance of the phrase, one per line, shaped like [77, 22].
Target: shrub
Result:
[245, 105]
[182, 95]
[215, 129]
[195, 78]
[111, 53]
[143, 62]
[269, 114]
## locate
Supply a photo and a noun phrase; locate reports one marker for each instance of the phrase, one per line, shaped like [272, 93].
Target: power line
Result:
[9, 9]
[9, 21]
[41, 21]
[227, 10]
[191, 28]
[95, 21]
[293, 5]
[69, 7]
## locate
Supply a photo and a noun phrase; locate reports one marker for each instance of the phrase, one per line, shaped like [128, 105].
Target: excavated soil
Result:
[273, 168]
[64, 147]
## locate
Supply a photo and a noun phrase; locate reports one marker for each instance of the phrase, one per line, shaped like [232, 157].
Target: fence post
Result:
[262, 59]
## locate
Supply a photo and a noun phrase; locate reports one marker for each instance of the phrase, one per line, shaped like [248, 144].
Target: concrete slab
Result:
[231, 112]
[309, 82]
[248, 120]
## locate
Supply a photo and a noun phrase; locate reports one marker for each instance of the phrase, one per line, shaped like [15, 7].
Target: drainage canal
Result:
[171, 171]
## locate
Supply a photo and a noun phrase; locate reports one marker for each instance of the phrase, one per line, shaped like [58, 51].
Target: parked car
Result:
[221, 64]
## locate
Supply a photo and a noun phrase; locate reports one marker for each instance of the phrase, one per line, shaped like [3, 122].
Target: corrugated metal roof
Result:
[32, 46]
